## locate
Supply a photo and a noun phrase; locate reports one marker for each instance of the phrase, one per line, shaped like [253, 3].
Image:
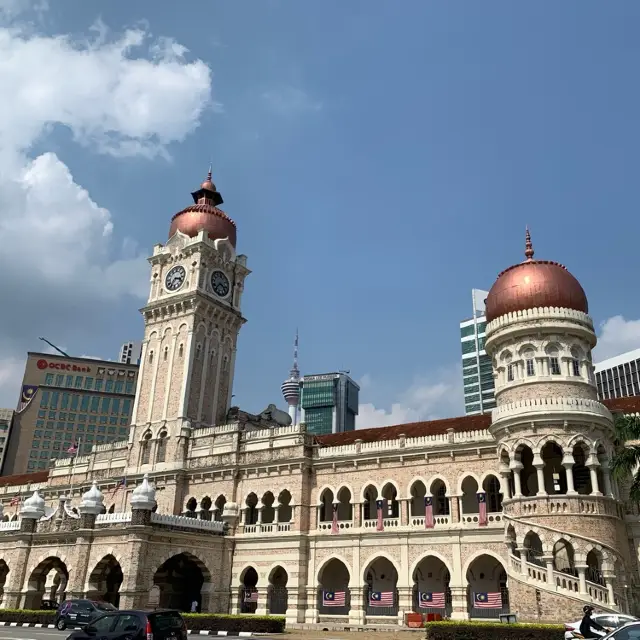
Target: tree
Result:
[626, 459]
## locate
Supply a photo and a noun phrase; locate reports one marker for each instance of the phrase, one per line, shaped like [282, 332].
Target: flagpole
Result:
[72, 467]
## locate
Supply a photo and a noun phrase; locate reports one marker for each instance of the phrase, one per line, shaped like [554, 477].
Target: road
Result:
[33, 633]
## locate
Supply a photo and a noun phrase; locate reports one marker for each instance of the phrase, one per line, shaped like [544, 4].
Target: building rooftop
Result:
[438, 427]
[617, 360]
[112, 364]
[24, 478]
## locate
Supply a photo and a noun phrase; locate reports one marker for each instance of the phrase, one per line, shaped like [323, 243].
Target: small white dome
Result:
[33, 507]
[144, 496]
[92, 501]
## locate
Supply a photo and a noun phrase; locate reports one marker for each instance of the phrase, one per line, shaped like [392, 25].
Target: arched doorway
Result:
[105, 581]
[431, 593]
[4, 572]
[381, 598]
[180, 580]
[487, 592]
[249, 591]
[277, 596]
[48, 581]
[333, 589]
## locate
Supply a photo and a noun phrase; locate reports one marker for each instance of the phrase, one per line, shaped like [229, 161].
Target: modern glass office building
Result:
[68, 402]
[477, 372]
[619, 377]
[329, 403]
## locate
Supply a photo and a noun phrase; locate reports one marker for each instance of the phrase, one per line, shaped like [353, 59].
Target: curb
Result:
[35, 625]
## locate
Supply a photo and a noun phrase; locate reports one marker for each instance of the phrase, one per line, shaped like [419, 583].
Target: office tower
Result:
[619, 377]
[6, 422]
[130, 353]
[477, 373]
[329, 403]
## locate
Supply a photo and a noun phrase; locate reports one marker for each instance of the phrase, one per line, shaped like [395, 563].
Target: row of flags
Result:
[426, 599]
[429, 520]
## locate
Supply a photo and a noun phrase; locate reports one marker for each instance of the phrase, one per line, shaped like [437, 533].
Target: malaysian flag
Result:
[381, 599]
[26, 396]
[380, 521]
[428, 513]
[15, 501]
[487, 600]
[251, 596]
[121, 485]
[73, 448]
[334, 520]
[482, 509]
[431, 600]
[334, 598]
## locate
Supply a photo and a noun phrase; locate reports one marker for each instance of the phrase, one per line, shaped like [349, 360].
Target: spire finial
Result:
[209, 173]
[528, 246]
[295, 372]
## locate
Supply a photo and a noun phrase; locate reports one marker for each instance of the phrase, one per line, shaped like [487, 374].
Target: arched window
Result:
[151, 356]
[554, 361]
[145, 453]
[181, 350]
[575, 361]
[530, 364]
[198, 351]
[510, 372]
[161, 452]
[165, 355]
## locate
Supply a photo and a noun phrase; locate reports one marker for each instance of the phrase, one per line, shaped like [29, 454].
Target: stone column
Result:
[524, 559]
[311, 611]
[592, 465]
[262, 608]
[459, 605]
[454, 501]
[582, 578]
[404, 512]
[538, 463]
[567, 463]
[357, 613]
[548, 560]
[606, 474]
[357, 515]
[506, 475]
[405, 602]
[609, 578]
[517, 467]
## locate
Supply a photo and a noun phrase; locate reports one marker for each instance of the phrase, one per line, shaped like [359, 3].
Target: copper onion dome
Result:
[204, 214]
[532, 284]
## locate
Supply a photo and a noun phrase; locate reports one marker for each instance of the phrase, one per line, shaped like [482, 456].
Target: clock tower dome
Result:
[192, 320]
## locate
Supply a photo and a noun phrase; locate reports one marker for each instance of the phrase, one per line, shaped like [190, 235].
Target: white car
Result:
[630, 631]
[608, 620]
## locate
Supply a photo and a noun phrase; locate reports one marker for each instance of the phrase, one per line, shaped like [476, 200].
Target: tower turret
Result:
[291, 386]
[555, 439]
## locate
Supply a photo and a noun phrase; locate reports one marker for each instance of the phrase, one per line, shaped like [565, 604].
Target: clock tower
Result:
[192, 319]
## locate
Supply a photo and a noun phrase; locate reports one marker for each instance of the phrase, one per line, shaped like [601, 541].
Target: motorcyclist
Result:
[588, 626]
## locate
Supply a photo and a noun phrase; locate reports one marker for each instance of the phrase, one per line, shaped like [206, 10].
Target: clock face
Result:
[175, 278]
[220, 284]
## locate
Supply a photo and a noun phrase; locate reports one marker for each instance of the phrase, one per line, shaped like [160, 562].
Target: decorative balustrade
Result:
[342, 525]
[113, 518]
[561, 504]
[389, 523]
[190, 523]
[494, 519]
[270, 527]
[8, 526]
[562, 582]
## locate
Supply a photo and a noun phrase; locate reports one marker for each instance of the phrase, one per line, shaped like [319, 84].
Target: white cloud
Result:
[428, 398]
[290, 100]
[617, 335]
[126, 95]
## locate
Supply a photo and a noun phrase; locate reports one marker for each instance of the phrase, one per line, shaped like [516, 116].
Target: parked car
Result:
[134, 625]
[608, 620]
[48, 605]
[630, 631]
[75, 613]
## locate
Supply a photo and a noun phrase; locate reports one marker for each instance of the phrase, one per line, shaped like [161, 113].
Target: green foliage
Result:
[462, 630]
[627, 456]
[27, 615]
[235, 623]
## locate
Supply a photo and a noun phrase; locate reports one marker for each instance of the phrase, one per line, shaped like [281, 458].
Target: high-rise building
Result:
[6, 422]
[66, 403]
[130, 353]
[477, 372]
[619, 377]
[329, 403]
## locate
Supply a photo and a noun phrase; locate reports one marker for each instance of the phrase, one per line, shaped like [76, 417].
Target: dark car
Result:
[161, 624]
[630, 631]
[76, 613]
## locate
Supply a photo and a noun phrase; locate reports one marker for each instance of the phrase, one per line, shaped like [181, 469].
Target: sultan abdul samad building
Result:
[466, 517]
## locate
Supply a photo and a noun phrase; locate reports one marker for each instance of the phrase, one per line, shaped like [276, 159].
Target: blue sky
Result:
[379, 159]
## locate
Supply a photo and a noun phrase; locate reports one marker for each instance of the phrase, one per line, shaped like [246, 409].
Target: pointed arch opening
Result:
[181, 581]
[326, 506]
[333, 589]
[251, 509]
[277, 593]
[4, 572]
[431, 592]
[381, 594]
[370, 495]
[487, 590]
[268, 510]
[564, 558]
[345, 508]
[105, 581]
[249, 590]
[528, 474]
[391, 507]
[219, 507]
[47, 581]
[555, 475]
[418, 492]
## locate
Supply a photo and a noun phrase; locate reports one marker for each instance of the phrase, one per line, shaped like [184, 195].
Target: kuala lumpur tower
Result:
[291, 387]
